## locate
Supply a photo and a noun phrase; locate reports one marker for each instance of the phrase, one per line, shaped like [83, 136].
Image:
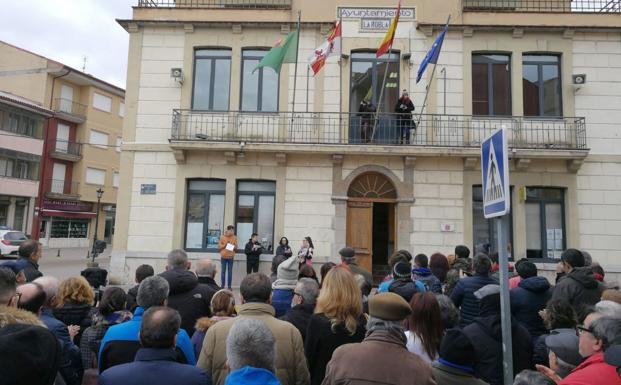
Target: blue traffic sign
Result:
[495, 173]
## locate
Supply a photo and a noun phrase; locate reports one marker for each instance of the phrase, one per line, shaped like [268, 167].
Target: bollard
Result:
[58, 254]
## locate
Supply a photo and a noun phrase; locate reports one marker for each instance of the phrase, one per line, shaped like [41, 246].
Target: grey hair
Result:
[308, 289]
[50, 287]
[251, 343]
[448, 311]
[374, 324]
[206, 268]
[607, 329]
[608, 309]
[152, 291]
[532, 377]
[177, 259]
[563, 368]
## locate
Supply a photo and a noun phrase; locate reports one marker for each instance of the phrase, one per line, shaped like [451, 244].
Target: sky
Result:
[69, 30]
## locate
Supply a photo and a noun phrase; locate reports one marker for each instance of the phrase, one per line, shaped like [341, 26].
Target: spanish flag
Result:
[390, 34]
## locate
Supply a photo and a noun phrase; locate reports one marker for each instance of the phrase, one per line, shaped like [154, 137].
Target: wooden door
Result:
[360, 232]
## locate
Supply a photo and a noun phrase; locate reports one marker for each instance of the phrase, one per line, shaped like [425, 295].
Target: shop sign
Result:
[53, 204]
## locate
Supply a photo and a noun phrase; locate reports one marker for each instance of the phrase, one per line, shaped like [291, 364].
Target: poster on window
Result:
[213, 238]
[194, 239]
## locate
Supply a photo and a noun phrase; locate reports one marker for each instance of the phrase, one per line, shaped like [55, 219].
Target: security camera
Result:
[579, 79]
[177, 74]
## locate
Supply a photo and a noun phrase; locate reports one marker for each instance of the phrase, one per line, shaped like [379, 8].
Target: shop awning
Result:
[67, 214]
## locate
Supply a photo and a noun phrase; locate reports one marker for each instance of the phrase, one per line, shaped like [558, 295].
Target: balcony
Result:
[216, 4]
[61, 189]
[460, 135]
[69, 110]
[544, 6]
[65, 150]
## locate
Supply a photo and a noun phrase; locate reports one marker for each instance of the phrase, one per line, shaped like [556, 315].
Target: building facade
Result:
[210, 142]
[82, 144]
[22, 126]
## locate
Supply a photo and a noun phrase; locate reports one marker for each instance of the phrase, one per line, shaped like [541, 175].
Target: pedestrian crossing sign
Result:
[495, 174]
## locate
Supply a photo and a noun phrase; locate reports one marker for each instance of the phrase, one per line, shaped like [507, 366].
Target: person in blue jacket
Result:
[121, 342]
[422, 272]
[155, 362]
[463, 294]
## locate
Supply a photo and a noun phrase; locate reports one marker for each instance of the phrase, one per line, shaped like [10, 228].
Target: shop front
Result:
[65, 223]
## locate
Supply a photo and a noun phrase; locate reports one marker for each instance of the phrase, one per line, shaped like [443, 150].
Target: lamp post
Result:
[93, 252]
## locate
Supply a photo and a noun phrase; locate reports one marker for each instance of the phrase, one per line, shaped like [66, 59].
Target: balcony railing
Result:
[230, 4]
[70, 108]
[544, 6]
[563, 133]
[69, 148]
[61, 188]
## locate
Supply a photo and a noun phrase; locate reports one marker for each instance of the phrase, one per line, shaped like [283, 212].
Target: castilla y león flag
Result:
[390, 34]
[330, 47]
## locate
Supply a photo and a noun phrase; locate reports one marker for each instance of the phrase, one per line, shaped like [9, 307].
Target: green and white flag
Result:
[285, 51]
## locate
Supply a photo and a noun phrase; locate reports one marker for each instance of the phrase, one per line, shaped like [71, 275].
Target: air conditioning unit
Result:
[578, 79]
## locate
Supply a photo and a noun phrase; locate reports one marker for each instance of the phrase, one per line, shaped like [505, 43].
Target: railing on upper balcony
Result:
[232, 4]
[59, 186]
[65, 147]
[69, 106]
[544, 6]
[563, 133]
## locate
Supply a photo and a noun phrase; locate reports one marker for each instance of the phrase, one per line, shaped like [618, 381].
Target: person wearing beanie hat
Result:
[403, 284]
[348, 257]
[373, 360]
[456, 363]
[283, 287]
[486, 330]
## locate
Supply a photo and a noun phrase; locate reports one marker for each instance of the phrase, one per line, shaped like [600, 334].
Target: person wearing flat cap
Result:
[456, 363]
[374, 359]
[348, 258]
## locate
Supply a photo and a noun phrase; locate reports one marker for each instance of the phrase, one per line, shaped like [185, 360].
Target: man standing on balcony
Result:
[227, 247]
[404, 110]
[366, 112]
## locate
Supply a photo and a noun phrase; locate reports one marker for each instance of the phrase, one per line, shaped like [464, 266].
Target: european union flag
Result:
[432, 55]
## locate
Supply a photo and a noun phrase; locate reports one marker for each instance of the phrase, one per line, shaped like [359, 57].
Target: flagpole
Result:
[379, 102]
[433, 72]
[307, 82]
[341, 82]
[295, 70]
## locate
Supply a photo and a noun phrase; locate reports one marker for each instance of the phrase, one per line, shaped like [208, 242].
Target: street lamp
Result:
[94, 251]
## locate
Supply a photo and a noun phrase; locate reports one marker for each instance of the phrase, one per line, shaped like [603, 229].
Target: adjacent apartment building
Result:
[82, 144]
[22, 126]
[209, 141]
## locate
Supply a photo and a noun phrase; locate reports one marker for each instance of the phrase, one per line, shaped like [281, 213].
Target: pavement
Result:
[65, 263]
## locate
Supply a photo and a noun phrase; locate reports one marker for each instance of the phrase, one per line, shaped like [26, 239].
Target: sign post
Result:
[496, 203]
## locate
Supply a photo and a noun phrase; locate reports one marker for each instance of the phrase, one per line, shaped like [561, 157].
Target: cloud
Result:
[69, 30]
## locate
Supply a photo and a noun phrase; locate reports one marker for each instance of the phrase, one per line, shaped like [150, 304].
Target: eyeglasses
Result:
[582, 329]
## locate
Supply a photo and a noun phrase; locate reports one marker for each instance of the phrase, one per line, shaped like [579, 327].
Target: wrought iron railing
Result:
[65, 147]
[232, 4]
[69, 106]
[59, 186]
[544, 6]
[567, 133]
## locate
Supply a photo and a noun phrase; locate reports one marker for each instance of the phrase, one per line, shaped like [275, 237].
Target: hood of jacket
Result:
[180, 281]
[251, 376]
[406, 288]
[535, 284]
[584, 276]
[422, 271]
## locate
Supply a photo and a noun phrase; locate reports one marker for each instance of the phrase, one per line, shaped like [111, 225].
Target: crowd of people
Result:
[431, 321]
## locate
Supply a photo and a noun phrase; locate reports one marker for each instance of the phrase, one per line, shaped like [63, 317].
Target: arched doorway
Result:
[371, 220]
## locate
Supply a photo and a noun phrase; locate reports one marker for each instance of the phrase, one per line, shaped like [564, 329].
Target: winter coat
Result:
[305, 255]
[121, 342]
[131, 298]
[580, 288]
[464, 299]
[202, 325]
[284, 250]
[381, 358]
[355, 269]
[281, 301]
[385, 285]
[404, 108]
[321, 341]
[253, 255]
[486, 334]
[209, 282]
[71, 365]
[31, 269]
[75, 314]
[431, 282]
[406, 288]
[154, 367]
[415, 345]
[290, 365]
[251, 376]
[447, 375]
[91, 339]
[299, 316]
[191, 299]
[593, 371]
[540, 349]
[531, 296]
[224, 253]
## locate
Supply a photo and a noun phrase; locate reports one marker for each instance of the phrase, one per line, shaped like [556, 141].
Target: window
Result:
[204, 214]
[95, 176]
[541, 79]
[102, 102]
[212, 77]
[491, 85]
[367, 73]
[119, 142]
[21, 123]
[484, 232]
[99, 139]
[69, 228]
[122, 109]
[260, 87]
[545, 222]
[255, 211]
[115, 180]
[20, 165]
